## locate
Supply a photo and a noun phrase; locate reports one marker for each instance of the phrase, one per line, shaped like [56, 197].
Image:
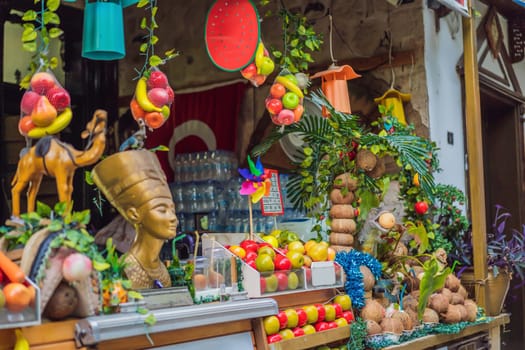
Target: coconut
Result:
[343, 225]
[452, 282]
[337, 196]
[412, 283]
[369, 280]
[405, 318]
[345, 180]
[463, 310]
[392, 325]
[438, 302]
[430, 316]
[447, 293]
[365, 160]
[413, 316]
[344, 239]
[415, 294]
[340, 248]
[463, 292]
[410, 302]
[453, 314]
[386, 220]
[457, 298]
[373, 311]
[342, 211]
[372, 327]
[379, 169]
[472, 310]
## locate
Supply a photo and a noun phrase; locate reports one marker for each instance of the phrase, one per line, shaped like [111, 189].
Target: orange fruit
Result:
[154, 120]
[17, 296]
[136, 111]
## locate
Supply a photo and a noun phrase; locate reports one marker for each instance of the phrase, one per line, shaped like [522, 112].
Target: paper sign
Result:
[272, 204]
[457, 5]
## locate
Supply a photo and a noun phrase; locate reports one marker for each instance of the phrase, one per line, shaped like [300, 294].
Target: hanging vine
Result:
[40, 27]
[147, 49]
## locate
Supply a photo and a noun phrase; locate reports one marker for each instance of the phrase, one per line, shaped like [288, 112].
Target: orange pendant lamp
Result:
[335, 87]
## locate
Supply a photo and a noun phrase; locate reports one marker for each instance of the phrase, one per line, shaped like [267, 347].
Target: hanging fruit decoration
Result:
[285, 101]
[152, 102]
[45, 108]
[262, 66]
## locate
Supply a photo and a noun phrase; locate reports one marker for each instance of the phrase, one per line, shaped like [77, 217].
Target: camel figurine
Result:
[51, 157]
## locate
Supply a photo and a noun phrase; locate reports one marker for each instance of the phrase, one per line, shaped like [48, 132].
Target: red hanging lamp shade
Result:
[335, 88]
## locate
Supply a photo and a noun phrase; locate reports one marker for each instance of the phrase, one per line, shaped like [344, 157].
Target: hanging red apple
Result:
[421, 207]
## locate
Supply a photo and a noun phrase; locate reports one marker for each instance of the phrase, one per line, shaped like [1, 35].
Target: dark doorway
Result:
[503, 142]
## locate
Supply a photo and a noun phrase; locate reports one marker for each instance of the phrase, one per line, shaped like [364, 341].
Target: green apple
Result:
[290, 100]
[267, 67]
[264, 263]
[293, 281]
[293, 318]
[308, 329]
[266, 250]
[343, 300]
[296, 246]
[272, 240]
[311, 313]
[329, 312]
[271, 325]
[272, 283]
[286, 333]
[296, 258]
[341, 322]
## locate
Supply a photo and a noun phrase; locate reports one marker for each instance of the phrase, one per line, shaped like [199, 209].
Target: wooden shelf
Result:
[312, 340]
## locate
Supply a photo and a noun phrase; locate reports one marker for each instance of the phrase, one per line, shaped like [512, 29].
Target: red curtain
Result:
[202, 119]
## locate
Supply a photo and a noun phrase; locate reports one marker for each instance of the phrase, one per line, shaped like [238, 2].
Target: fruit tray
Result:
[30, 316]
[320, 275]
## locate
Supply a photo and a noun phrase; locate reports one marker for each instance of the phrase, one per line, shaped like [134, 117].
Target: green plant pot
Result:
[496, 289]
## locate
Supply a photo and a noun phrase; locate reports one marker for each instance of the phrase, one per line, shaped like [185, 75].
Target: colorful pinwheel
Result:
[256, 181]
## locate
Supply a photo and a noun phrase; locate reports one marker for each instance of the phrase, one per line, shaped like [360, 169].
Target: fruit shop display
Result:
[16, 293]
[262, 66]
[153, 99]
[45, 108]
[285, 101]
[296, 322]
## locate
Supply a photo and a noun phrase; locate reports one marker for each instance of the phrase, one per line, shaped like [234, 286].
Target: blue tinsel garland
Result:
[350, 262]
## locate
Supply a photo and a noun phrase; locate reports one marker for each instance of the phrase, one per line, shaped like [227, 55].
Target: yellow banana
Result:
[141, 95]
[259, 56]
[290, 85]
[59, 124]
[21, 341]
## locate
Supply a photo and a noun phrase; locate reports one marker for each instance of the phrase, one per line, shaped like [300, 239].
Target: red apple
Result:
[251, 263]
[283, 319]
[29, 100]
[76, 267]
[262, 283]
[274, 338]
[285, 117]
[25, 124]
[301, 317]
[158, 96]
[249, 245]
[171, 95]
[249, 71]
[282, 262]
[274, 106]
[157, 79]
[338, 310]
[282, 280]
[321, 326]
[421, 207]
[298, 331]
[348, 315]
[321, 312]
[332, 324]
[250, 255]
[59, 98]
[41, 82]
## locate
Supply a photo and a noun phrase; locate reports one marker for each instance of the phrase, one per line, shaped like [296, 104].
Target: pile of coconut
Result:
[449, 305]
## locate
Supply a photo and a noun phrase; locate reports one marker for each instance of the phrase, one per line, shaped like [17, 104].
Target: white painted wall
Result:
[443, 49]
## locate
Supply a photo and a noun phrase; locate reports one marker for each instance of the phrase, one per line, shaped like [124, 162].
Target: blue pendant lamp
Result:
[103, 35]
[520, 2]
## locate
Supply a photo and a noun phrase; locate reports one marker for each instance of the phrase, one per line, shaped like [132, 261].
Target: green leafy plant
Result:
[331, 145]
[299, 41]
[147, 49]
[40, 27]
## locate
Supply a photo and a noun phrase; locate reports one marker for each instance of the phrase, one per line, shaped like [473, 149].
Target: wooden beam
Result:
[363, 64]
[475, 154]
